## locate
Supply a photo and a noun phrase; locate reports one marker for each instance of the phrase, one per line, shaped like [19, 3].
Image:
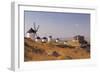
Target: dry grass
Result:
[37, 51]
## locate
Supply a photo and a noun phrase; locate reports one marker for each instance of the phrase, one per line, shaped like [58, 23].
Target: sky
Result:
[57, 24]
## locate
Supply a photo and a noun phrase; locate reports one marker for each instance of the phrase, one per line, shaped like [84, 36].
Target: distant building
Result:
[37, 39]
[65, 42]
[49, 38]
[79, 38]
[30, 34]
[44, 39]
[57, 40]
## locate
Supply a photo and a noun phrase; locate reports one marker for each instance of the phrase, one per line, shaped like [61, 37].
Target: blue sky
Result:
[57, 24]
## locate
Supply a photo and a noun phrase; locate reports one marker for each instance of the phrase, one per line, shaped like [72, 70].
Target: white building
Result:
[30, 34]
[57, 40]
[65, 43]
[37, 39]
[44, 39]
[49, 38]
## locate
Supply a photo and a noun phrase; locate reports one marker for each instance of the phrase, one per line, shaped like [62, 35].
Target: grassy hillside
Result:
[37, 51]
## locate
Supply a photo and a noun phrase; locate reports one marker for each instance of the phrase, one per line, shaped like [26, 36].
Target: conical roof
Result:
[44, 37]
[31, 31]
[38, 37]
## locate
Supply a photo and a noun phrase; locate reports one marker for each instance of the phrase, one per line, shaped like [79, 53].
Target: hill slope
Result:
[37, 51]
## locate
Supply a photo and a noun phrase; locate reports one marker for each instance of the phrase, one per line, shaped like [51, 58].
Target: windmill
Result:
[32, 32]
[35, 29]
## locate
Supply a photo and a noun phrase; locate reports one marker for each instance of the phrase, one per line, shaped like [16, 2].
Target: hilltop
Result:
[38, 51]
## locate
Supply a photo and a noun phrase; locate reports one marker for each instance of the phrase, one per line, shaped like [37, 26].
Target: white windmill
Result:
[32, 32]
[49, 39]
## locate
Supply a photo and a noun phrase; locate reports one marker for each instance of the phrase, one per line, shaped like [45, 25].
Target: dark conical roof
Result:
[38, 37]
[31, 31]
[44, 37]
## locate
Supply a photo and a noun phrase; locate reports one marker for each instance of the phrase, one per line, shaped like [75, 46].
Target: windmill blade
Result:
[37, 28]
[34, 26]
